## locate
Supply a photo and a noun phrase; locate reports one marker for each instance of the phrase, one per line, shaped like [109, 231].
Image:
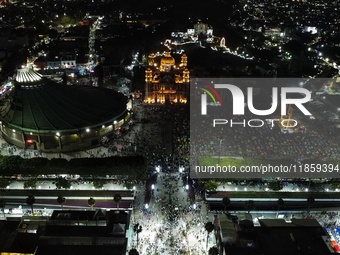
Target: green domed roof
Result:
[44, 106]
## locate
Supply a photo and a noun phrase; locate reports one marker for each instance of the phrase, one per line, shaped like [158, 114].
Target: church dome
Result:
[167, 59]
[41, 105]
[54, 117]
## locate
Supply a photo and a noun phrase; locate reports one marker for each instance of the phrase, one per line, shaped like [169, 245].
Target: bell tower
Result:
[287, 119]
[166, 81]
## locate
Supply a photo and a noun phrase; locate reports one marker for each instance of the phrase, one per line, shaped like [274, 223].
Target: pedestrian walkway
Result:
[171, 225]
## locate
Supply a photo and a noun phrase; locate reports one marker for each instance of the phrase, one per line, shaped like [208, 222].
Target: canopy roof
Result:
[41, 105]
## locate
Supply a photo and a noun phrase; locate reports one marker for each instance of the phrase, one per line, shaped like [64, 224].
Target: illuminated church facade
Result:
[166, 81]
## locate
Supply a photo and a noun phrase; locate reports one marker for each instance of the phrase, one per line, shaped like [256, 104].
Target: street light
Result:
[146, 206]
[153, 186]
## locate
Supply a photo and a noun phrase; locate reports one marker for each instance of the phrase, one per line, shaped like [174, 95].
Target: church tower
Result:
[166, 81]
[287, 119]
[148, 84]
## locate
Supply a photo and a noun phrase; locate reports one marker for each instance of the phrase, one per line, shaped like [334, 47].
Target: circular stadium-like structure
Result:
[44, 115]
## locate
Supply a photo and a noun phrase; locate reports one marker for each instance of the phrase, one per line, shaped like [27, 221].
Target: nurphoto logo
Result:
[279, 96]
[239, 102]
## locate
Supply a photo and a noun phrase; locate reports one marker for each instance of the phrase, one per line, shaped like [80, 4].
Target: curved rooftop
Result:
[167, 59]
[28, 75]
[49, 107]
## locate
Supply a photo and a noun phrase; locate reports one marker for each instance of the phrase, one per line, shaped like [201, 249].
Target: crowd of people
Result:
[170, 219]
[171, 224]
[314, 137]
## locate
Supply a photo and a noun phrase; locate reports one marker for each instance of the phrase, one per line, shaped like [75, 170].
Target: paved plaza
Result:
[170, 224]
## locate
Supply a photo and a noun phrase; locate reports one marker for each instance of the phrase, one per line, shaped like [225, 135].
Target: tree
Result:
[30, 201]
[249, 205]
[128, 185]
[133, 252]
[335, 185]
[310, 201]
[279, 202]
[226, 202]
[31, 183]
[213, 251]
[67, 20]
[61, 182]
[11, 164]
[137, 229]
[117, 197]
[276, 186]
[34, 166]
[211, 185]
[3, 183]
[98, 183]
[2, 206]
[61, 200]
[91, 202]
[209, 227]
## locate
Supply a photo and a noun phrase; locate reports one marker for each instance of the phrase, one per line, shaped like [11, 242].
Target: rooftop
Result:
[41, 105]
[296, 238]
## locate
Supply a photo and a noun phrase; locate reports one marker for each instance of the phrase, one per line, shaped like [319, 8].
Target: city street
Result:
[170, 224]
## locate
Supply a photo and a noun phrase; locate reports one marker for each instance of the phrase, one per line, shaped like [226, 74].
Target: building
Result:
[67, 232]
[192, 34]
[85, 232]
[18, 238]
[295, 237]
[165, 81]
[41, 114]
[237, 235]
[65, 61]
[202, 28]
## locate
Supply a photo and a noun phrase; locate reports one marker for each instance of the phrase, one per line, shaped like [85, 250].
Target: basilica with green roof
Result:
[41, 114]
